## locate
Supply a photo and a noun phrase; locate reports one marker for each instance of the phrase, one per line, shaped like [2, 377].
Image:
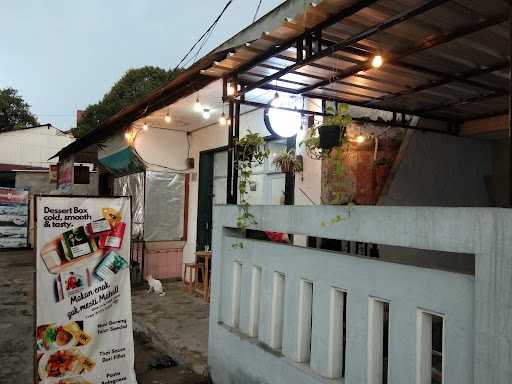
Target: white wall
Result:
[170, 149]
[212, 137]
[32, 146]
[476, 329]
[163, 147]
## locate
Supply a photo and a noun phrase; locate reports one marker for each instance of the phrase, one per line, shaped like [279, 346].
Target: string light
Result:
[206, 113]
[197, 105]
[127, 136]
[377, 61]
[360, 139]
[222, 119]
[168, 117]
[145, 126]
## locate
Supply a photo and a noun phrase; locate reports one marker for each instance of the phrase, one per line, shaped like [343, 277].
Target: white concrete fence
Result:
[277, 310]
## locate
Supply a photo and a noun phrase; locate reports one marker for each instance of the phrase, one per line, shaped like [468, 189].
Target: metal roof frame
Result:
[305, 52]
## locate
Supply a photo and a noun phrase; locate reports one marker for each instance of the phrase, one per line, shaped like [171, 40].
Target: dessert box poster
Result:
[84, 316]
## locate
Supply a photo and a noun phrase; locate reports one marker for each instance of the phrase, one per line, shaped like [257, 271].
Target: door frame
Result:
[211, 152]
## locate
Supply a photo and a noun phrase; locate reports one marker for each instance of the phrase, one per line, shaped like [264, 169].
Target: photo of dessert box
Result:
[69, 250]
[110, 266]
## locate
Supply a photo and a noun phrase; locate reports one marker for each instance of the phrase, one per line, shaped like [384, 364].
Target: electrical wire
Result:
[212, 26]
[257, 11]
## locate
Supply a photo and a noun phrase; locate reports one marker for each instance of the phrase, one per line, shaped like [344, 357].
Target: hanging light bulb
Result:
[360, 139]
[168, 117]
[377, 61]
[275, 101]
[230, 89]
[206, 113]
[228, 121]
[145, 126]
[222, 119]
[197, 105]
[127, 136]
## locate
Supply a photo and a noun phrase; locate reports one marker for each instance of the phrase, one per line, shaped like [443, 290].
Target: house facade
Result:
[397, 266]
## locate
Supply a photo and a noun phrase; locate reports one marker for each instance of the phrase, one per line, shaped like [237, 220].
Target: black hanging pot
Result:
[330, 136]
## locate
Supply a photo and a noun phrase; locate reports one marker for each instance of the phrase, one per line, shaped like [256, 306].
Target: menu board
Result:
[84, 318]
[13, 218]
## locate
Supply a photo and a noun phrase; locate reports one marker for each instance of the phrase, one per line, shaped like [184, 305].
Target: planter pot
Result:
[329, 136]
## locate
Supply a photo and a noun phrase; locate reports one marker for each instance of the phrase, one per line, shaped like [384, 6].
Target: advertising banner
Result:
[84, 317]
[65, 175]
[13, 218]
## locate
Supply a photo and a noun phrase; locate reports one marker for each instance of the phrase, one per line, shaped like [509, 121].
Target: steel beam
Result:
[356, 119]
[392, 21]
[349, 11]
[416, 48]
[467, 100]
[443, 81]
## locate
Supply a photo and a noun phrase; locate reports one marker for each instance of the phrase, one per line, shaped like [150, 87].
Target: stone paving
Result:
[175, 324]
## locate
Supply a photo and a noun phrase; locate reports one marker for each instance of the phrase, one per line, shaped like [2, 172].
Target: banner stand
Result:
[83, 317]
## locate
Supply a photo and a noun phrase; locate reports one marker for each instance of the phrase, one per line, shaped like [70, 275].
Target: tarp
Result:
[165, 204]
[133, 185]
[158, 204]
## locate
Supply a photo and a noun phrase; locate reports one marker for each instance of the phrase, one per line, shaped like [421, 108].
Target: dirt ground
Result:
[17, 327]
[176, 323]
[145, 353]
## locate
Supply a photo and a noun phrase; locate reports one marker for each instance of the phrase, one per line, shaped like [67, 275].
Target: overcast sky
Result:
[62, 55]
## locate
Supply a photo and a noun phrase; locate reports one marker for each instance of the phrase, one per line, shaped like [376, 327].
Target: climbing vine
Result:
[251, 151]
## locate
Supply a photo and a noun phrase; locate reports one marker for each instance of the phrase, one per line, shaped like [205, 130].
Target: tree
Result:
[129, 89]
[14, 111]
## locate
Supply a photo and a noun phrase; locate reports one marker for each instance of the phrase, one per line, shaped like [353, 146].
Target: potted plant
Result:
[332, 130]
[288, 162]
[251, 148]
[320, 141]
[250, 151]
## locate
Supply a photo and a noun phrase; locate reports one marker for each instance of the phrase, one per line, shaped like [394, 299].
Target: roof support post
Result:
[510, 110]
[230, 194]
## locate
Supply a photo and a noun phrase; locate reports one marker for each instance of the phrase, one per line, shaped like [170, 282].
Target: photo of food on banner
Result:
[67, 256]
[58, 355]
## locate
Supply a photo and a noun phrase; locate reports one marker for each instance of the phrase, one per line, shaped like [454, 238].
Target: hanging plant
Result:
[250, 151]
[320, 141]
[288, 162]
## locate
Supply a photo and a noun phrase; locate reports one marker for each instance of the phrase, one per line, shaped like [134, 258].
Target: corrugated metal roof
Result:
[450, 61]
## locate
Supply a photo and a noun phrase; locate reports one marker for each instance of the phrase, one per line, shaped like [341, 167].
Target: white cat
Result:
[155, 285]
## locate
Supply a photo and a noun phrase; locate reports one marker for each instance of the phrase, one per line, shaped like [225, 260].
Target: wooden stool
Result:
[197, 288]
[191, 267]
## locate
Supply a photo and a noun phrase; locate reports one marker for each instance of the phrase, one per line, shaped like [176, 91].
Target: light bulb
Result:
[222, 119]
[275, 101]
[377, 61]
[206, 113]
[145, 126]
[197, 105]
[127, 136]
[360, 139]
[167, 118]
[230, 90]
[228, 121]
